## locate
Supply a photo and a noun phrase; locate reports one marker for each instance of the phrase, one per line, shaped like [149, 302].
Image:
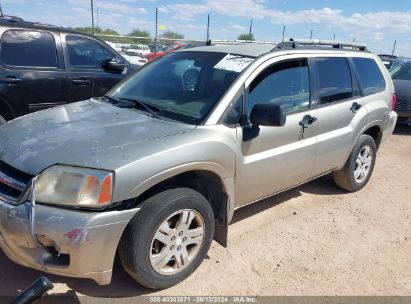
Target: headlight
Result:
[65, 185]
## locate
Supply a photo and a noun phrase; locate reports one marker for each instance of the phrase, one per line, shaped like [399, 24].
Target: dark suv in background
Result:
[43, 66]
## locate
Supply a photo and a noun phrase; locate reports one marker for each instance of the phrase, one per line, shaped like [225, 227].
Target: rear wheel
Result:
[359, 166]
[168, 238]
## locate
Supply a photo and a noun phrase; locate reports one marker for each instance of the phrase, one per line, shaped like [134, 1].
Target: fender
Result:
[227, 208]
[215, 168]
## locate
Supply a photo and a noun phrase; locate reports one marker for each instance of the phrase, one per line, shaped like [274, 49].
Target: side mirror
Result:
[269, 114]
[112, 65]
[272, 115]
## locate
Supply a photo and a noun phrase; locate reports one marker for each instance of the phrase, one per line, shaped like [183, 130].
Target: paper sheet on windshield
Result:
[234, 63]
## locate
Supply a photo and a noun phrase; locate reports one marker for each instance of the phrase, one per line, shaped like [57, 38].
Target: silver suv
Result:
[154, 170]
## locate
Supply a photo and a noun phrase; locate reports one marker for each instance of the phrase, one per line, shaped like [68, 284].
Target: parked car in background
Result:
[137, 60]
[153, 171]
[398, 61]
[153, 55]
[137, 50]
[158, 48]
[114, 45]
[124, 46]
[387, 60]
[43, 66]
[401, 76]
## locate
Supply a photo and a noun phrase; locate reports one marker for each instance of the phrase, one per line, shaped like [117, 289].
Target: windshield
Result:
[184, 86]
[403, 71]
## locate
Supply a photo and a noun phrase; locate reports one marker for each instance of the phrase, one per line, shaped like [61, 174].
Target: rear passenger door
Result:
[340, 108]
[32, 73]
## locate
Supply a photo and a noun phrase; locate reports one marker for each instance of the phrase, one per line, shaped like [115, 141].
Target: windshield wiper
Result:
[111, 99]
[122, 103]
[145, 106]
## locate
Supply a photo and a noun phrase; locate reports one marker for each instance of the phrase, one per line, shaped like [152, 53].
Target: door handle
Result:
[355, 107]
[81, 82]
[10, 80]
[307, 121]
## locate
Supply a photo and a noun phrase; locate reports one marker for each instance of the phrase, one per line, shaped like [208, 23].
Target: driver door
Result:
[86, 75]
[279, 157]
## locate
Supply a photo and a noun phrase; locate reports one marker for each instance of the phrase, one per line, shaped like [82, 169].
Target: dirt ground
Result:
[312, 240]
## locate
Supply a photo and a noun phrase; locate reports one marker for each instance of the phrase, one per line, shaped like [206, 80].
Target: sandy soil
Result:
[312, 240]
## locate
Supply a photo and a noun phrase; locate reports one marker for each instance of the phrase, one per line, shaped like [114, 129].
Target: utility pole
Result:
[393, 49]
[283, 33]
[208, 27]
[155, 37]
[1, 12]
[251, 27]
[97, 18]
[311, 34]
[92, 16]
[334, 36]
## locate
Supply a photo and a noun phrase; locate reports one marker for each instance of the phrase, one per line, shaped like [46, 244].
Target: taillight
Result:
[394, 101]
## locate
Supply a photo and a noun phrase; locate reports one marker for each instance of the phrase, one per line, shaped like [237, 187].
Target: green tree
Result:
[99, 31]
[249, 37]
[139, 33]
[171, 35]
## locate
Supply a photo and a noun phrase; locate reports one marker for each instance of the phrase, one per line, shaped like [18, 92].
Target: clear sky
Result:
[375, 22]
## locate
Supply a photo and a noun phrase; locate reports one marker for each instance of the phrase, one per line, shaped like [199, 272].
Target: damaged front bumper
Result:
[73, 243]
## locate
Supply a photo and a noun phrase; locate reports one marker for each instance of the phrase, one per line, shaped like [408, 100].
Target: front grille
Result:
[12, 182]
[402, 106]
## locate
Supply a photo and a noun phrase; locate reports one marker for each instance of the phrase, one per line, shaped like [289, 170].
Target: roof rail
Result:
[317, 42]
[230, 42]
[11, 18]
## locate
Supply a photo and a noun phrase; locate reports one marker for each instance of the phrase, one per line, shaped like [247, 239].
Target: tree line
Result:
[134, 33]
[141, 33]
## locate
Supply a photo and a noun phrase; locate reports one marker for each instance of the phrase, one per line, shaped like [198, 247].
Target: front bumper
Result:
[74, 243]
[392, 121]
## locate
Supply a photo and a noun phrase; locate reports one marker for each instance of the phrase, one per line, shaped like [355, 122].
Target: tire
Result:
[347, 177]
[2, 120]
[139, 247]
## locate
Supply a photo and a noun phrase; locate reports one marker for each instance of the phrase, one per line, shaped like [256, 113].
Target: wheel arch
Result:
[376, 133]
[210, 181]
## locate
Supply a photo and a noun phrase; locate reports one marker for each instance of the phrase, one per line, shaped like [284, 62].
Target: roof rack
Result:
[11, 18]
[237, 42]
[317, 42]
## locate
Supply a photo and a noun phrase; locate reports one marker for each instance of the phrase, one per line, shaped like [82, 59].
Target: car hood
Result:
[402, 89]
[89, 133]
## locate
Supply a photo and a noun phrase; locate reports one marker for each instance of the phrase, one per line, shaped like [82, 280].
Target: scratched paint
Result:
[77, 235]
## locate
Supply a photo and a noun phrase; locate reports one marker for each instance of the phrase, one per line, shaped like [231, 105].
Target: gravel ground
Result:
[313, 240]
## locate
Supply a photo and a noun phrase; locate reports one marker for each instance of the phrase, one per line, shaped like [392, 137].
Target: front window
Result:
[183, 86]
[86, 52]
[402, 71]
[285, 83]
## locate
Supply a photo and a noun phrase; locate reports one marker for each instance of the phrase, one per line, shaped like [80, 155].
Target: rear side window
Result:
[334, 79]
[371, 78]
[28, 48]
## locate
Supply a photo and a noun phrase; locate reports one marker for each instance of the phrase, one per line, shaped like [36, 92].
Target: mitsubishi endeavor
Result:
[155, 169]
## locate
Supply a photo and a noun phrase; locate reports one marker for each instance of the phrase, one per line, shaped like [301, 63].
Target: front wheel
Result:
[359, 166]
[168, 238]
